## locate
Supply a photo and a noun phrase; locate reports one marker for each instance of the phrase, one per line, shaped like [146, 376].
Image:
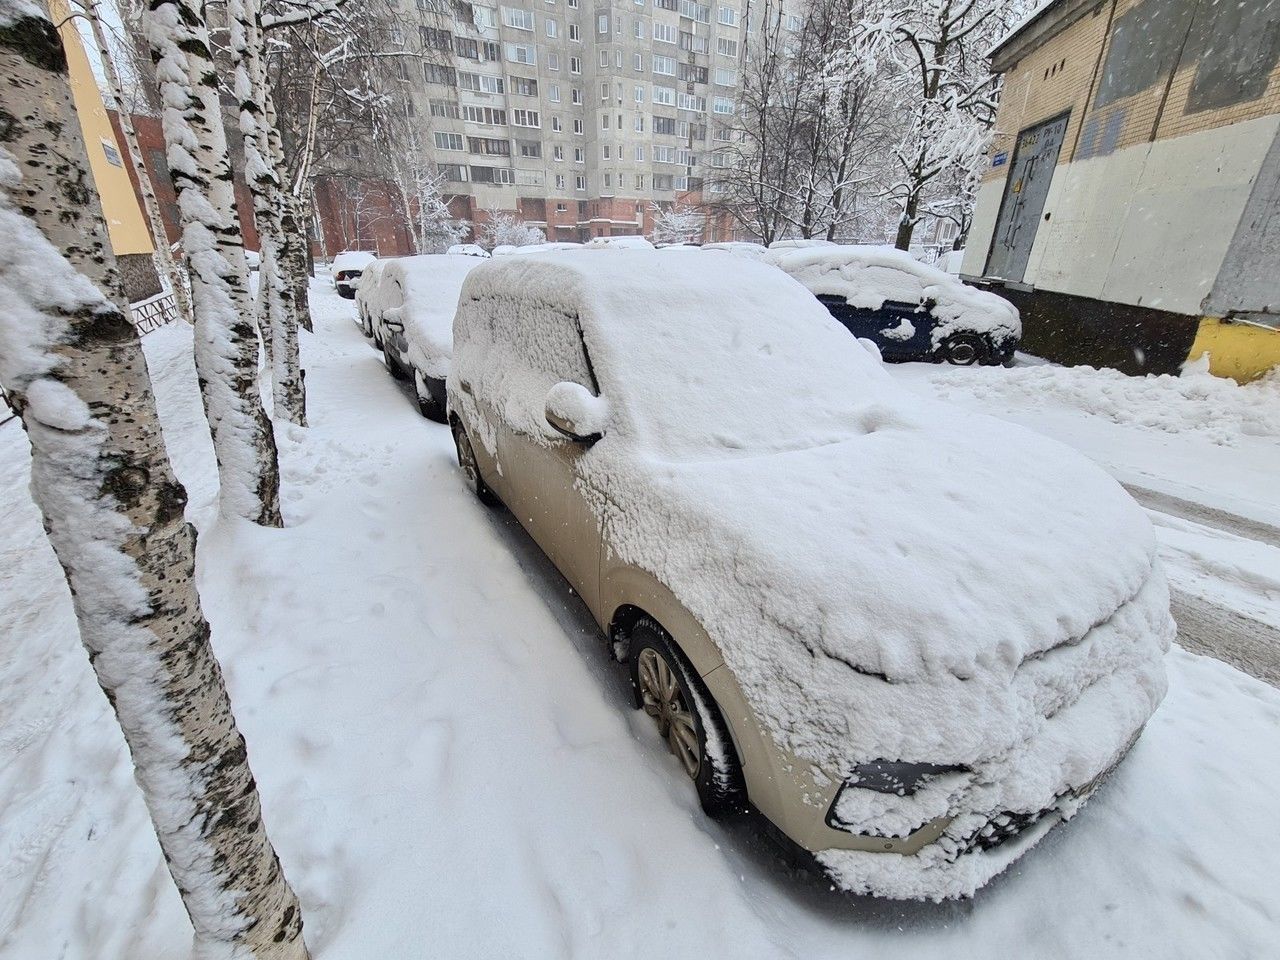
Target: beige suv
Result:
[913, 638]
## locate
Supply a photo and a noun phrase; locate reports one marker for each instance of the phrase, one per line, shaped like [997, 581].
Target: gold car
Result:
[913, 638]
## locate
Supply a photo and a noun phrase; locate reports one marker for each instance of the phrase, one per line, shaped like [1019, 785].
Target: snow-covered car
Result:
[412, 310]
[366, 286]
[741, 248]
[468, 250]
[800, 243]
[346, 270]
[914, 637]
[630, 242]
[910, 310]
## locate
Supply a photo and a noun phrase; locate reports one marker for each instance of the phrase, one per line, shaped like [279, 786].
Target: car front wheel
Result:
[670, 692]
[964, 349]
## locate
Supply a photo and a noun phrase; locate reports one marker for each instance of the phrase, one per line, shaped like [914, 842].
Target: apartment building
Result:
[574, 113]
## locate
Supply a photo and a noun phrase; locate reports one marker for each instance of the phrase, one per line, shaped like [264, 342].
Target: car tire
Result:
[428, 406]
[964, 349]
[470, 466]
[715, 771]
[393, 365]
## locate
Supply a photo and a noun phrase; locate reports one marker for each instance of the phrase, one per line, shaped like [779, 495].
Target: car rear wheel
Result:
[964, 349]
[393, 365]
[470, 467]
[429, 404]
[670, 692]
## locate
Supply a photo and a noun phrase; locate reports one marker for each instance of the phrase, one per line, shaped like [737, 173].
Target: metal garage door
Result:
[1034, 158]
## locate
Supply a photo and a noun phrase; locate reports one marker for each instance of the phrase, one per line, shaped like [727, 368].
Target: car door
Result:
[541, 480]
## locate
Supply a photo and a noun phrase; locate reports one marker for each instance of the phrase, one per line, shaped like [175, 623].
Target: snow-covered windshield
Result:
[710, 354]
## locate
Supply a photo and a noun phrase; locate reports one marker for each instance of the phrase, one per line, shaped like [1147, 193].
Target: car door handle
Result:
[466, 386]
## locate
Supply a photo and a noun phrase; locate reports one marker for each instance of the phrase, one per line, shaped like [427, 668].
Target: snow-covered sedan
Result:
[412, 311]
[366, 288]
[910, 310]
[346, 269]
[914, 637]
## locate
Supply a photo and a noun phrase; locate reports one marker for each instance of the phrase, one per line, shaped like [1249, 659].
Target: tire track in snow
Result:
[1207, 628]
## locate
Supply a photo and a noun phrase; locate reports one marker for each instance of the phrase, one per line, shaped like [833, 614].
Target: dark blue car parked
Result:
[908, 309]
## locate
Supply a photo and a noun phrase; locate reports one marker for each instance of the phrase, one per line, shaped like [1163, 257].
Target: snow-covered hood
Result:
[905, 593]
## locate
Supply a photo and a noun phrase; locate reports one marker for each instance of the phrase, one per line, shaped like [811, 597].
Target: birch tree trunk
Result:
[281, 315]
[113, 510]
[165, 262]
[226, 346]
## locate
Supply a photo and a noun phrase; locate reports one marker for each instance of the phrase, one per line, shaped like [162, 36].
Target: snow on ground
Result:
[449, 767]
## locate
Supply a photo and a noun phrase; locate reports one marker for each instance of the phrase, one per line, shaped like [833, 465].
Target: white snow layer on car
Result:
[352, 260]
[431, 284]
[867, 276]
[889, 578]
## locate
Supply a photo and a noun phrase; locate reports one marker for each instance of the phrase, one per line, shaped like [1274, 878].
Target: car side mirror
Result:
[573, 410]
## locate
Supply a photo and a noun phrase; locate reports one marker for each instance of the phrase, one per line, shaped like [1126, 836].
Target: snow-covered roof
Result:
[867, 276]
[352, 260]
[619, 243]
[431, 284]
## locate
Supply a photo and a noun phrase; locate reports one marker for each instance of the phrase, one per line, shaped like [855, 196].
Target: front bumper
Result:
[958, 854]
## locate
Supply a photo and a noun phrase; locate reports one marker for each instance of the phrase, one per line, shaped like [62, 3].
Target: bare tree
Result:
[113, 510]
[226, 341]
[676, 223]
[932, 54]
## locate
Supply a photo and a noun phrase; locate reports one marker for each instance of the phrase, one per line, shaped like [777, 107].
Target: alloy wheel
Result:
[664, 701]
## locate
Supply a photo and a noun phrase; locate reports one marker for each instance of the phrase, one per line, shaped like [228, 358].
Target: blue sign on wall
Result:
[1000, 159]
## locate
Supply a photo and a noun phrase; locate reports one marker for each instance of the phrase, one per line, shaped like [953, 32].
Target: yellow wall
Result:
[1240, 351]
[126, 225]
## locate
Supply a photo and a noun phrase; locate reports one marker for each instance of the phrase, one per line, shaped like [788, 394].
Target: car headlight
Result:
[855, 809]
[896, 776]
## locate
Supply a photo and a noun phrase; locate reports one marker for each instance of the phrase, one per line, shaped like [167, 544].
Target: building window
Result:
[695, 11]
[486, 18]
[449, 141]
[637, 28]
[688, 101]
[557, 153]
[553, 61]
[722, 105]
[491, 51]
[485, 115]
[664, 66]
[580, 183]
[436, 39]
[726, 78]
[604, 92]
[467, 48]
[662, 181]
[692, 73]
[531, 149]
[553, 28]
[665, 126]
[693, 43]
[605, 152]
[728, 16]
[664, 95]
[573, 33]
[480, 83]
[438, 73]
[639, 123]
[663, 154]
[559, 181]
[524, 86]
[604, 121]
[575, 65]
[444, 108]
[726, 47]
[525, 118]
[637, 61]
[452, 171]
[608, 181]
[489, 146]
[522, 53]
[602, 24]
[578, 155]
[604, 57]
[517, 18]
[577, 125]
[640, 153]
[555, 124]
[665, 33]
[575, 95]
[553, 93]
